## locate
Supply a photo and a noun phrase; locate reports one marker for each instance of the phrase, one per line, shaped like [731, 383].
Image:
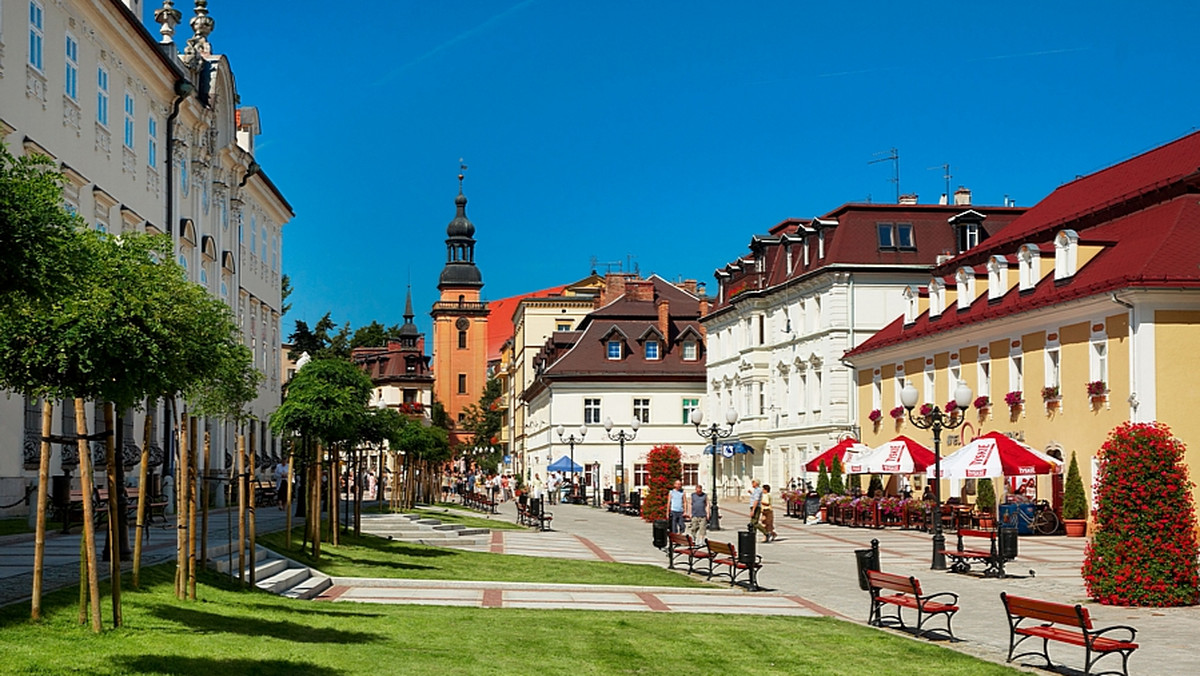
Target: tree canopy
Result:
[325, 400]
[38, 249]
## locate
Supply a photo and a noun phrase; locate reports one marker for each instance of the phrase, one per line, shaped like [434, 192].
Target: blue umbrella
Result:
[564, 464]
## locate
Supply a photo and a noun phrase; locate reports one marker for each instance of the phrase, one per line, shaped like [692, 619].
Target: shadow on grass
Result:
[305, 610]
[206, 666]
[201, 621]
[376, 563]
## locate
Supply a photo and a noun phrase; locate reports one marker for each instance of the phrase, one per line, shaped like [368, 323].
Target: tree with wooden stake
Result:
[376, 427]
[323, 404]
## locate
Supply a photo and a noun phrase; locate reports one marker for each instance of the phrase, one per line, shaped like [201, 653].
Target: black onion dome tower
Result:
[408, 333]
[460, 270]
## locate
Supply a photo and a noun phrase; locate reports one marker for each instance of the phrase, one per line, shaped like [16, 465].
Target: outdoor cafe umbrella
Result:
[898, 456]
[845, 450]
[564, 464]
[996, 455]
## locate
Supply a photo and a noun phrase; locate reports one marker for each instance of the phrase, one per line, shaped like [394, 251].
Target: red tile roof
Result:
[500, 315]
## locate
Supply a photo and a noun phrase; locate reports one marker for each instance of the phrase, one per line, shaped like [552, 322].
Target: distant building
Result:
[460, 325]
[808, 291]
[1085, 310]
[638, 354]
[400, 371]
[150, 139]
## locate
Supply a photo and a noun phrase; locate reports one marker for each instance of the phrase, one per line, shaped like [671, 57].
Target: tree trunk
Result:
[89, 528]
[114, 506]
[241, 506]
[335, 491]
[122, 529]
[291, 479]
[358, 493]
[251, 503]
[39, 542]
[181, 432]
[83, 578]
[315, 506]
[143, 499]
[192, 463]
[204, 491]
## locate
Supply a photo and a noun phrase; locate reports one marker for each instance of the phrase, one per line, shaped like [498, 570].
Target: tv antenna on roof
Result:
[893, 156]
[946, 175]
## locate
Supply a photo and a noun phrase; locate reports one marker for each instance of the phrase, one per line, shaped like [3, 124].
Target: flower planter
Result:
[1076, 528]
[824, 512]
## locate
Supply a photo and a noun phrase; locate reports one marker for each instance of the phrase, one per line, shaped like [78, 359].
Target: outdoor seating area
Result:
[630, 505]
[532, 512]
[479, 501]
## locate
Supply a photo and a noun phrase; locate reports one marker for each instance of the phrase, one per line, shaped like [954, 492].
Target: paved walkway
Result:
[811, 571]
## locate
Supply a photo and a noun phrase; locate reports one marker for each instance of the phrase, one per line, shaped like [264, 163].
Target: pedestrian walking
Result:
[698, 526]
[766, 522]
[675, 507]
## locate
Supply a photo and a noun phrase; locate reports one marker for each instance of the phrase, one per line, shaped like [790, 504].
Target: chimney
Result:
[944, 199]
[614, 287]
[962, 197]
[640, 290]
[908, 199]
[664, 318]
[703, 311]
[688, 285]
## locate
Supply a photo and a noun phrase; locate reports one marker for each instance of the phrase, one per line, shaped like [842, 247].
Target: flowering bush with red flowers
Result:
[664, 465]
[1143, 551]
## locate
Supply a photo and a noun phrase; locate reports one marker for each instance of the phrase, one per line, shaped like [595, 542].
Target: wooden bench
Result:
[1066, 624]
[963, 557]
[909, 596]
[724, 554]
[534, 514]
[264, 492]
[682, 544]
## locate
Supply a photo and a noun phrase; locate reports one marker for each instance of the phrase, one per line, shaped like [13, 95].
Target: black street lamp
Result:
[714, 432]
[621, 436]
[572, 440]
[937, 420]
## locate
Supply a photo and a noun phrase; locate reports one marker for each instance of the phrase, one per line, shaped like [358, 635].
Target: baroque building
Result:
[808, 291]
[150, 139]
[1080, 315]
[400, 371]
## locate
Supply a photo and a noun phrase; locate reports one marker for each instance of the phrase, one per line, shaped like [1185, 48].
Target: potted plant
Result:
[1014, 400]
[1098, 391]
[875, 416]
[1051, 395]
[1074, 508]
[985, 503]
[897, 413]
[823, 490]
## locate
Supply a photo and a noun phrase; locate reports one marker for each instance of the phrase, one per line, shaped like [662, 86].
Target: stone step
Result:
[310, 588]
[282, 581]
[265, 569]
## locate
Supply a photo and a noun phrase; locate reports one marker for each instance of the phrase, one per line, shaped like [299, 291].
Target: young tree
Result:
[1143, 550]
[835, 478]
[664, 465]
[823, 488]
[1074, 501]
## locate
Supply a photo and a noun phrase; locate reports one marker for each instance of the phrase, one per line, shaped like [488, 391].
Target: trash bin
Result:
[60, 491]
[661, 528]
[1008, 543]
[867, 559]
[746, 545]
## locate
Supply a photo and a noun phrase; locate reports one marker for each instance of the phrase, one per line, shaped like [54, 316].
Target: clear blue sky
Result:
[669, 132]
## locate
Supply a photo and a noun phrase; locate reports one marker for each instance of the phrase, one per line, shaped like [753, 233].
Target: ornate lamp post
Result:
[621, 436]
[714, 432]
[572, 440]
[937, 420]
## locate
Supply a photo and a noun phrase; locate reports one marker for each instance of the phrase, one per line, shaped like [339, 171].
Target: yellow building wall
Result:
[1177, 333]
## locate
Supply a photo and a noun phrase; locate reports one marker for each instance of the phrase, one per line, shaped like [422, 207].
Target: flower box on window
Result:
[1014, 399]
[926, 409]
[875, 415]
[1051, 393]
[982, 402]
[897, 413]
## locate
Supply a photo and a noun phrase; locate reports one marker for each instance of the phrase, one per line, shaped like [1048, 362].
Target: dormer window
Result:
[896, 236]
[964, 279]
[911, 304]
[937, 297]
[652, 352]
[1028, 261]
[997, 269]
[1066, 254]
[614, 349]
[691, 350]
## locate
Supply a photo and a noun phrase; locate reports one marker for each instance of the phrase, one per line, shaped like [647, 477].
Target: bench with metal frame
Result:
[909, 596]
[682, 544]
[1067, 624]
[962, 558]
[725, 554]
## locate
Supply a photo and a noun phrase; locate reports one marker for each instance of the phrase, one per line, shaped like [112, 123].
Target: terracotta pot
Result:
[824, 512]
[987, 522]
[1076, 528]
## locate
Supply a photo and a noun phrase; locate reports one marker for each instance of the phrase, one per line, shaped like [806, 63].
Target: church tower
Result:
[459, 323]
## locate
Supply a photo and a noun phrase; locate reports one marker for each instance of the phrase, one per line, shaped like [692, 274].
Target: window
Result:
[462, 340]
[651, 349]
[886, 238]
[762, 330]
[263, 250]
[930, 393]
[462, 383]
[129, 120]
[984, 376]
[563, 326]
[690, 350]
[1053, 370]
[36, 34]
[641, 410]
[689, 405]
[102, 96]
[641, 477]
[968, 236]
[152, 143]
[904, 236]
[71, 76]
[1066, 254]
[591, 411]
[691, 473]
[253, 234]
[1099, 361]
[614, 349]
[1016, 371]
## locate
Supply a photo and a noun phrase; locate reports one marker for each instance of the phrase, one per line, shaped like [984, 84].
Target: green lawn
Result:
[496, 522]
[14, 526]
[230, 632]
[370, 556]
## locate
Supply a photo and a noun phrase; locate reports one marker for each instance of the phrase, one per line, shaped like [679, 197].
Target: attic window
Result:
[887, 239]
[1028, 260]
[896, 236]
[937, 297]
[1066, 254]
[968, 236]
[652, 353]
[911, 300]
[690, 350]
[997, 268]
[614, 349]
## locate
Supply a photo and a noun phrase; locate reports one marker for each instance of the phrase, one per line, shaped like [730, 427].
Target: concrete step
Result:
[285, 580]
[265, 569]
[310, 588]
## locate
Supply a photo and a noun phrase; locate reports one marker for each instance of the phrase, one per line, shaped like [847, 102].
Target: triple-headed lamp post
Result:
[937, 420]
[621, 436]
[572, 440]
[713, 433]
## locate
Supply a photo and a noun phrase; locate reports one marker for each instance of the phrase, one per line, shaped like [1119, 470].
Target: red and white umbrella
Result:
[898, 456]
[993, 455]
[845, 450]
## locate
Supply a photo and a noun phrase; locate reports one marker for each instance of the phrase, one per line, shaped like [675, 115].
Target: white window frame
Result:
[71, 67]
[1028, 260]
[102, 96]
[877, 392]
[651, 350]
[151, 142]
[641, 410]
[612, 350]
[997, 268]
[1016, 371]
[955, 375]
[689, 404]
[1066, 254]
[930, 390]
[1053, 365]
[591, 411]
[691, 350]
[130, 111]
[983, 376]
[1098, 357]
[937, 297]
[37, 35]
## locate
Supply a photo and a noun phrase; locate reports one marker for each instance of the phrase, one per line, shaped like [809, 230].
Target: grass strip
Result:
[446, 516]
[236, 632]
[370, 556]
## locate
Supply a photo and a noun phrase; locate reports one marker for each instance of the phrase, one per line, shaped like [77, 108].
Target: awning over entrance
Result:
[730, 448]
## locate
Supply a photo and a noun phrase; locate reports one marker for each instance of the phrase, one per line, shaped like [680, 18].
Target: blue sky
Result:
[667, 133]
